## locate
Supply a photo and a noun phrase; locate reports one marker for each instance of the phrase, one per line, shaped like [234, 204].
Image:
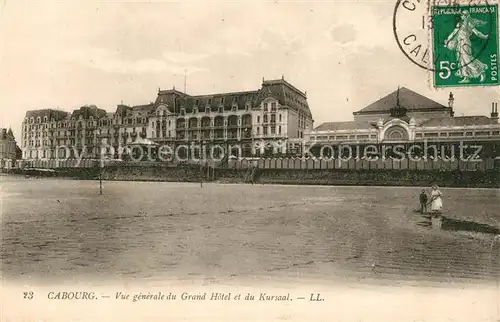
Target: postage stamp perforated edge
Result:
[431, 83]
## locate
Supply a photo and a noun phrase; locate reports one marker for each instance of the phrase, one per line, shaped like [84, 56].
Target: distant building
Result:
[405, 118]
[269, 120]
[8, 146]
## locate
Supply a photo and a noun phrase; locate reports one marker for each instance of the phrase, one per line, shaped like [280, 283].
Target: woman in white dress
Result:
[436, 200]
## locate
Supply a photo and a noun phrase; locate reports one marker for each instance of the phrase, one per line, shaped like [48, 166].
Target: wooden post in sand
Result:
[100, 177]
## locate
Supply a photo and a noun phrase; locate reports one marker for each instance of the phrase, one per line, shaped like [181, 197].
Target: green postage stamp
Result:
[465, 45]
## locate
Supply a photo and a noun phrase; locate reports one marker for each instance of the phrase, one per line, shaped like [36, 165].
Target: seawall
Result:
[378, 177]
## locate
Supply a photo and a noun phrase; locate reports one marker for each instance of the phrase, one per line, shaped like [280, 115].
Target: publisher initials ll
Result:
[315, 298]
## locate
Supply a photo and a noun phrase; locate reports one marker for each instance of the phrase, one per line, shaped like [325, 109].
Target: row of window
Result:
[343, 137]
[456, 134]
[266, 118]
[273, 107]
[266, 129]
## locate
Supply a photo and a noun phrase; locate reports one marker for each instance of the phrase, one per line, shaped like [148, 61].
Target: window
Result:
[209, 101]
[258, 118]
[265, 107]
[273, 106]
[273, 129]
[222, 100]
[279, 129]
[279, 117]
[264, 130]
[258, 130]
[265, 118]
[196, 102]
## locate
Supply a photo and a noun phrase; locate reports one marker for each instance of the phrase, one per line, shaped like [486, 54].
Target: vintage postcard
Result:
[249, 161]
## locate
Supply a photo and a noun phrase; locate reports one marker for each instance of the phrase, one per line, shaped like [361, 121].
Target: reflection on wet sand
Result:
[445, 223]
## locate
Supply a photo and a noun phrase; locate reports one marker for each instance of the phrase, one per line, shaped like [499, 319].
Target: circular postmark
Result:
[427, 30]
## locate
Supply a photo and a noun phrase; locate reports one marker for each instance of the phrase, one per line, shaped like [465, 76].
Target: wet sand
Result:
[61, 230]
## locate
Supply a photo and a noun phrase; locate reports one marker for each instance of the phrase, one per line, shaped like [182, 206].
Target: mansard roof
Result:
[281, 90]
[214, 101]
[87, 111]
[408, 99]
[286, 94]
[50, 113]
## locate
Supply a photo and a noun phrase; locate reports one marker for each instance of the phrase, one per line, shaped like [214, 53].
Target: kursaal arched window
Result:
[397, 133]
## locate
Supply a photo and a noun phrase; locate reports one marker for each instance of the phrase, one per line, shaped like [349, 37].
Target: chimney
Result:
[494, 112]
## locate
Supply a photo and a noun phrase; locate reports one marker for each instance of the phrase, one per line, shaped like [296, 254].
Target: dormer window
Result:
[45, 119]
[183, 111]
[221, 109]
[222, 100]
[209, 101]
[195, 110]
[247, 106]
[265, 107]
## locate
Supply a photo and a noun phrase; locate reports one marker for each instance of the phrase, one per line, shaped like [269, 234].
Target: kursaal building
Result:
[268, 121]
[407, 123]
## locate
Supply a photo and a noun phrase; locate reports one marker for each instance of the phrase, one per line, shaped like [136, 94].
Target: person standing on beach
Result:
[423, 202]
[436, 200]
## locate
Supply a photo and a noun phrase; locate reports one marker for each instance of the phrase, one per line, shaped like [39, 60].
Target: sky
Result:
[56, 54]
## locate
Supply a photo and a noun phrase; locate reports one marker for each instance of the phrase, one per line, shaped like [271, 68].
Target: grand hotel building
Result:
[274, 119]
[269, 120]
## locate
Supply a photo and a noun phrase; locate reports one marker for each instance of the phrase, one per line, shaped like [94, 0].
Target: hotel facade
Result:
[267, 121]
[274, 120]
